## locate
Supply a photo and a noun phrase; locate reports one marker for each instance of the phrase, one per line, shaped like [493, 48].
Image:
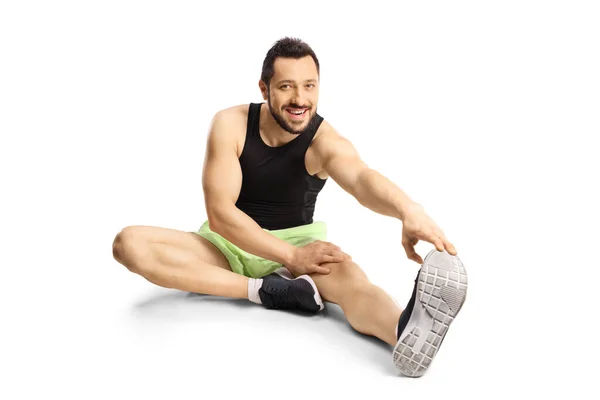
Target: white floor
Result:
[485, 113]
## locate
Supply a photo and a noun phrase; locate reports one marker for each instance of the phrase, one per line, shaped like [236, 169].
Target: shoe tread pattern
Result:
[441, 289]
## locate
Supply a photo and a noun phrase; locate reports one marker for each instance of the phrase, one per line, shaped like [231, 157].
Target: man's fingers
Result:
[339, 255]
[437, 232]
[321, 270]
[445, 242]
[439, 245]
[342, 255]
[411, 253]
[449, 246]
[432, 238]
[329, 252]
[336, 252]
[415, 257]
[329, 258]
[329, 245]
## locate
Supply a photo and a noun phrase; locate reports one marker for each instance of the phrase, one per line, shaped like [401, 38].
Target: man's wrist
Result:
[405, 208]
[289, 255]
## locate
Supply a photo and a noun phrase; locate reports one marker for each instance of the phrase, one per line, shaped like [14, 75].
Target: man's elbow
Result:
[218, 216]
[215, 219]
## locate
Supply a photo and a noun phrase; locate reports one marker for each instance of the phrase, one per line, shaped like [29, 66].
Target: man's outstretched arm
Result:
[342, 162]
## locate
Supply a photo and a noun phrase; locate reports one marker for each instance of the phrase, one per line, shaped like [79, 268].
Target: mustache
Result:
[295, 106]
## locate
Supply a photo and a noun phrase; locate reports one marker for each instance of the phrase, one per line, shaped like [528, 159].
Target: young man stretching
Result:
[265, 164]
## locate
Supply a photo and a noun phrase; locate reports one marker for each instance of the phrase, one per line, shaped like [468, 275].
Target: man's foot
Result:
[439, 293]
[280, 290]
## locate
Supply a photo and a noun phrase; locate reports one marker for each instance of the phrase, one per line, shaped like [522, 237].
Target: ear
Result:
[263, 89]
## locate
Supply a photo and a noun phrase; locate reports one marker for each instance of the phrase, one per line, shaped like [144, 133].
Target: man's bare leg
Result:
[368, 308]
[188, 262]
[178, 260]
[438, 295]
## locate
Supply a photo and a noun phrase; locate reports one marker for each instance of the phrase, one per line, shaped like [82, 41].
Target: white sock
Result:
[253, 286]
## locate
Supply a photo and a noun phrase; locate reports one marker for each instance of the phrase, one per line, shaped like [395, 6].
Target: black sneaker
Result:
[280, 290]
[439, 293]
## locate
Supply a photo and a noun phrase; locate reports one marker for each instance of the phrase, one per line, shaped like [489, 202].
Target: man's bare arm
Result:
[342, 162]
[222, 181]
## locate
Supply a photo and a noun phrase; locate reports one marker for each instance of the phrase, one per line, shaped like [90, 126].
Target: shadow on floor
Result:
[165, 306]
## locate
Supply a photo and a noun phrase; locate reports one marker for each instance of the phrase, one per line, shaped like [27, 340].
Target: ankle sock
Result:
[253, 286]
[405, 316]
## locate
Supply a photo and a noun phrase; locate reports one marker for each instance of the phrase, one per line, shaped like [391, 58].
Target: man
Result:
[264, 167]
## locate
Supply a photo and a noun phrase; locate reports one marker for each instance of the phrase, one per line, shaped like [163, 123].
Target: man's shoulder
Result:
[229, 126]
[329, 142]
[325, 133]
[236, 112]
[231, 119]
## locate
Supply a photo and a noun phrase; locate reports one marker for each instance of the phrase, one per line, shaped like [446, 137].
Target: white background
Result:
[487, 113]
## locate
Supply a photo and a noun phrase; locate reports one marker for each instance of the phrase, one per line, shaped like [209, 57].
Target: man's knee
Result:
[125, 244]
[344, 281]
[348, 272]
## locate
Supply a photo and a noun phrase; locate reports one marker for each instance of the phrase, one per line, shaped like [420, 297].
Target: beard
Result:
[284, 124]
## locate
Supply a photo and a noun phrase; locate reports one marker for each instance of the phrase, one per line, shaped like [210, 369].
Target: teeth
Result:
[297, 112]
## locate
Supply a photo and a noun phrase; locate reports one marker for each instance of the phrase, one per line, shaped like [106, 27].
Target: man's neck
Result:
[273, 134]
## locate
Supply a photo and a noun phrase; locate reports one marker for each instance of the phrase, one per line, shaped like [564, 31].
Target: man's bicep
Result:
[222, 174]
[342, 162]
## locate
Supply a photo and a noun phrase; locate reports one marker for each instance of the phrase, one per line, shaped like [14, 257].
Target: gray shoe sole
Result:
[441, 292]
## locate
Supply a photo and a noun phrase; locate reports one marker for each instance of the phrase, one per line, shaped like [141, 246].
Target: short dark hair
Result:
[288, 48]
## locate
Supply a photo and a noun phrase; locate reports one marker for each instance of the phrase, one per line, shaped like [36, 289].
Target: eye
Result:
[284, 86]
[310, 85]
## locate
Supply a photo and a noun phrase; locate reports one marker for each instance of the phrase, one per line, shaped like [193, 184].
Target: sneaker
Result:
[440, 291]
[280, 290]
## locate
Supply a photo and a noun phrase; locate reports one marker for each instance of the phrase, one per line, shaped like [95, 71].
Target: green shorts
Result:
[253, 266]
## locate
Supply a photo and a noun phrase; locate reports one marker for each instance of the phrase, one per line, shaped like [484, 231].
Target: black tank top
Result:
[277, 191]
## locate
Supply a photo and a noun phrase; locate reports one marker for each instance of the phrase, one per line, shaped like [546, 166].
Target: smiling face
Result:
[293, 93]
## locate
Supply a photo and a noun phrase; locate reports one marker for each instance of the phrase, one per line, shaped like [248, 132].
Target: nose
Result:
[299, 97]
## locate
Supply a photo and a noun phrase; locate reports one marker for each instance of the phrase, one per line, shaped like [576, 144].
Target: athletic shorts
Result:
[252, 266]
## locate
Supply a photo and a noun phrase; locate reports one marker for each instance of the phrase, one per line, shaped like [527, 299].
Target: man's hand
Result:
[417, 225]
[308, 259]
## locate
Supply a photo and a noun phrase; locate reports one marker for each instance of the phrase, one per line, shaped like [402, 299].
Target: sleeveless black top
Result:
[277, 191]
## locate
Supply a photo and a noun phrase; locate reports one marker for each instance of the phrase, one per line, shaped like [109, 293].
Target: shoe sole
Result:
[286, 274]
[441, 292]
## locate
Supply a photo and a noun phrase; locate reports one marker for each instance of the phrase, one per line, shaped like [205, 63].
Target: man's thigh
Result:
[172, 238]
